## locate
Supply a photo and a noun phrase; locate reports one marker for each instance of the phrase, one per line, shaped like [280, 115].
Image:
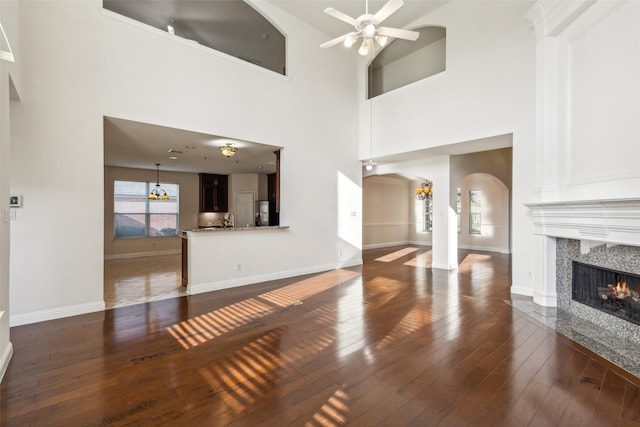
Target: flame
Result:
[621, 289]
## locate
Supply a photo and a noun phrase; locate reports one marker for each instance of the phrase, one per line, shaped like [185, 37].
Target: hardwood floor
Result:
[393, 343]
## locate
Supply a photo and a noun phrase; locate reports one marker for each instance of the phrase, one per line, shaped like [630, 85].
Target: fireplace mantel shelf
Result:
[613, 220]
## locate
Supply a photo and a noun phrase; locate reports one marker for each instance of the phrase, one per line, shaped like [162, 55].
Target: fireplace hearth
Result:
[611, 291]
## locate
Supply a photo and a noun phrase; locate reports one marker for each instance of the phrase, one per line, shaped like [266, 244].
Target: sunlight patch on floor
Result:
[473, 262]
[413, 321]
[205, 327]
[422, 260]
[397, 254]
[333, 413]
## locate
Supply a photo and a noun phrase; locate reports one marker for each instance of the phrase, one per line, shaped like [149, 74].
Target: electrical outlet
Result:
[340, 253]
[239, 267]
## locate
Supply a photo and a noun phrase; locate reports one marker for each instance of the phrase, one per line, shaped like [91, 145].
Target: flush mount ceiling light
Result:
[158, 193]
[424, 192]
[366, 28]
[228, 150]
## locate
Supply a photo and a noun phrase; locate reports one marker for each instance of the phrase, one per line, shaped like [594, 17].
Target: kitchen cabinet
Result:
[274, 215]
[214, 193]
[185, 261]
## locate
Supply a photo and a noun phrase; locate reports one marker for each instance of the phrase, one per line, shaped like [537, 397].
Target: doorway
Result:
[245, 209]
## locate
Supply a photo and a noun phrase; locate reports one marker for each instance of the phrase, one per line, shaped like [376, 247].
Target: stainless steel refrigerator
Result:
[262, 213]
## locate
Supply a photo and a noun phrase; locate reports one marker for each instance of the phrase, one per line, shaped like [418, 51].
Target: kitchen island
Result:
[216, 258]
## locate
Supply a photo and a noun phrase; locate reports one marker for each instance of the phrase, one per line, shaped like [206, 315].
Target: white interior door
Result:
[245, 206]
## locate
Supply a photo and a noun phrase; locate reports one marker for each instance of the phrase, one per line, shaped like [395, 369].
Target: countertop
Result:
[183, 233]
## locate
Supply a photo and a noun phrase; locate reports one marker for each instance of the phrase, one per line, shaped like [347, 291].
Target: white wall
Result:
[488, 89]
[9, 90]
[386, 218]
[589, 90]
[134, 246]
[81, 63]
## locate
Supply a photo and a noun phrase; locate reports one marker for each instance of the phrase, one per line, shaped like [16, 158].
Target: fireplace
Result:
[611, 291]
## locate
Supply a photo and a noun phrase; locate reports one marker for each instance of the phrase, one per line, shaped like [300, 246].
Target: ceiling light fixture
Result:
[158, 193]
[366, 27]
[424, 192]
[228, 150]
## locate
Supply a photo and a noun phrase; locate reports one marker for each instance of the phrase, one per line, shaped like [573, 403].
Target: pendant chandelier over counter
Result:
[424, 192]
[158, 192]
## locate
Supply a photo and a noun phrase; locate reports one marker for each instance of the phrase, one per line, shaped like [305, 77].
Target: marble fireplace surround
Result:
[604, 233]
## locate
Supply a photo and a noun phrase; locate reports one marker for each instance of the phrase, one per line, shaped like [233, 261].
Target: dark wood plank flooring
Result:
[393, 343]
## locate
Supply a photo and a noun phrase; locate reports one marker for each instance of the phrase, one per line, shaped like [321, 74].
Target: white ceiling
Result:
[141, 145]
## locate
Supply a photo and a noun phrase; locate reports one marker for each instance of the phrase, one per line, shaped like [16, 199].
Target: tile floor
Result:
[130, 281]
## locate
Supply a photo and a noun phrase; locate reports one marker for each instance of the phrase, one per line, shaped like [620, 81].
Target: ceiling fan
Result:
[366, 28]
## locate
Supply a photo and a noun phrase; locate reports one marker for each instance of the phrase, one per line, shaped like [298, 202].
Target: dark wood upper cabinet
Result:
[214, 193]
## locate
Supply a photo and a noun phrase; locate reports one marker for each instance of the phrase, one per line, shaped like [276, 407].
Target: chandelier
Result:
[158, 192]
[228, 150]
[424, 191]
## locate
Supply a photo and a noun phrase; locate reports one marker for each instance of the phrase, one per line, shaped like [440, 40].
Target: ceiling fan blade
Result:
[336, 41]
[386, 10]
[398, 33]
[342, 16]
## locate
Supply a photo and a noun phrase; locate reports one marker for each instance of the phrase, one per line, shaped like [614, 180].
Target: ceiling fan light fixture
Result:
[369, 30]
[364, 49]
[350, 40]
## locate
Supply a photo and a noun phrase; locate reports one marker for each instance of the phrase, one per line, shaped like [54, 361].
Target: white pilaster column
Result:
[445, 223]
[544, 285]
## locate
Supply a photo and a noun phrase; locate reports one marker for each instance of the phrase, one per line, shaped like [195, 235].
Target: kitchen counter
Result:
[183, 233]
[215, 258]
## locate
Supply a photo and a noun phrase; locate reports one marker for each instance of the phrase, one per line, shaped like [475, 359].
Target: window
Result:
[475, 210]
[137, 216]
[428, 215]
[458, 207]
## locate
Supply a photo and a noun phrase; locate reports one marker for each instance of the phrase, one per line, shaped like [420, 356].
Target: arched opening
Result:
[391, 215]
[403, 62]
[231, 27]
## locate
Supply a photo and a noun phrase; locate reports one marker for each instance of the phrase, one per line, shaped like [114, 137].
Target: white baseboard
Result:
[517, 290]
[420, 243]
[384, 245]
[55, 313]
[143, 254]
[5, 358]
[484, 249]
[546, 300]
[259, 278]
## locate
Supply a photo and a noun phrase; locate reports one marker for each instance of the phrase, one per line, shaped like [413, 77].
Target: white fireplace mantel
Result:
[612, 221]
